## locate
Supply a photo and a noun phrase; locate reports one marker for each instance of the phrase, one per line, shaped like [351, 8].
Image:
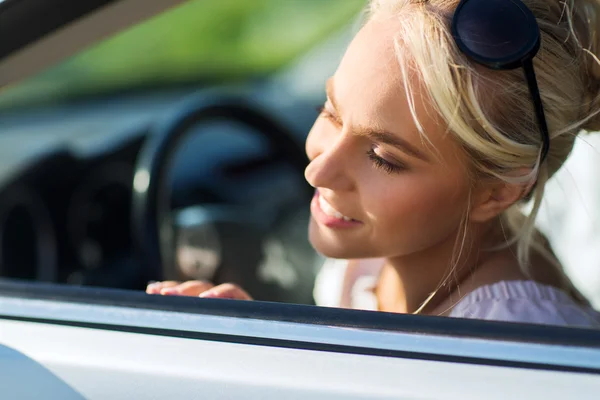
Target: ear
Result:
[493, 198]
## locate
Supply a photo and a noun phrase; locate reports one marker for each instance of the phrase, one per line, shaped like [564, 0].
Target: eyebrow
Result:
[374, 134]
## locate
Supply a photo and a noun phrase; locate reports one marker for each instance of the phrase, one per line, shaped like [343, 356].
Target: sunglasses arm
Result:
[538, 106]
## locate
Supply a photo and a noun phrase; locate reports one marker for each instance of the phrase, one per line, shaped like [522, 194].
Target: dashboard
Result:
[64, 218]
[66, 180]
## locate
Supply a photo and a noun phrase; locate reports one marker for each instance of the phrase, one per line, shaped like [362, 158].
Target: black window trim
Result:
[304, 314]
[261, 324]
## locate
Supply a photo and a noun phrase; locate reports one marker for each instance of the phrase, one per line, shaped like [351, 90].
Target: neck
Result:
[407, 282]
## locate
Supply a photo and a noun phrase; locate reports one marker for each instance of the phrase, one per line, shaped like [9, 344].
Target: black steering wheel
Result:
[156, 228]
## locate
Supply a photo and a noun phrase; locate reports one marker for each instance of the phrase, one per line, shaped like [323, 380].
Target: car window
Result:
[76, 132]
[79, 198]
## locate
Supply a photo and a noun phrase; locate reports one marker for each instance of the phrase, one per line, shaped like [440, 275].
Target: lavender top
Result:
[338, 285]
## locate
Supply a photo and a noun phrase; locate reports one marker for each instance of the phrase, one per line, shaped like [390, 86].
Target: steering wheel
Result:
[235, 230]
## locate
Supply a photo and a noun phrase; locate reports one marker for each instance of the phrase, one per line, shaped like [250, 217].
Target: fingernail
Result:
[207, 294]
[169, 291]
[152, 288]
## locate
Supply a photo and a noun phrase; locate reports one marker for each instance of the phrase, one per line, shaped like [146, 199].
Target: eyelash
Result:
[326, 114]
[383, 164]
[378, 161]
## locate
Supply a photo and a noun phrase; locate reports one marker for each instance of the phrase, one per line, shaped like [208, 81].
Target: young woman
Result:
[429, 143]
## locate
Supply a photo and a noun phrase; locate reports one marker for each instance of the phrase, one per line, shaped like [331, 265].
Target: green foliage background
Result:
[199, 41]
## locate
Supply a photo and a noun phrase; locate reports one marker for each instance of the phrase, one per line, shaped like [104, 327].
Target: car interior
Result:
[115, 173]
[164, 151]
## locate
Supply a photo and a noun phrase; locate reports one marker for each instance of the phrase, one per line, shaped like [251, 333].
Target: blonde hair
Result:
[490, 112]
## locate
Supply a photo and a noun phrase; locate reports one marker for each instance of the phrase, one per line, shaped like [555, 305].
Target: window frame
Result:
[306, 327]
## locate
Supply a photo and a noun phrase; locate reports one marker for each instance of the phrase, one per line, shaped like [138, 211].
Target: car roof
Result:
[39, 33]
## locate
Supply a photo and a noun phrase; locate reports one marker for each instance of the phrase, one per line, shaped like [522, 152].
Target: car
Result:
[106, 186]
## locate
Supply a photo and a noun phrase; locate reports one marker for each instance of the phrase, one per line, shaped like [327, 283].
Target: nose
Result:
[330, 155]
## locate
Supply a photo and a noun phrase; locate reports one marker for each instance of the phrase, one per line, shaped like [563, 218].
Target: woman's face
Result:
[381, 189]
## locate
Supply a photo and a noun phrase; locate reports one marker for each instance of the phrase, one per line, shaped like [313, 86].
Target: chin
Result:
[332, 246]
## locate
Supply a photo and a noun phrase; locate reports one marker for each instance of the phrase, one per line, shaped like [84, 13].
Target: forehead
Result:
[370, 90]
[370, 68]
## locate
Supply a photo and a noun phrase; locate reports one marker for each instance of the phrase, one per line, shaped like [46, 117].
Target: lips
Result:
[331, 211]
[328, 216]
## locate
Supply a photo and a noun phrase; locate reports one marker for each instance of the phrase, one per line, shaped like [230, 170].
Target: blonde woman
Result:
[443, 118]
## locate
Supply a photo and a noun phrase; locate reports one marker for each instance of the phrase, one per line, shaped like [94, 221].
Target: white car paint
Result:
[100, 363]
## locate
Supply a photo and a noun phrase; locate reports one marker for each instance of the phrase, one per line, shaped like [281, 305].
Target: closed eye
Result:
[325, 113]
[378, 161]
[383, 164]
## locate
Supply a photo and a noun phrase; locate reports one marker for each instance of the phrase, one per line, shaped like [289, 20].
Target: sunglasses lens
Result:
[496, 29]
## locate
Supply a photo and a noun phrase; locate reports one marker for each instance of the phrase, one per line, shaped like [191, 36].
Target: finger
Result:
[189, 288]
[156, 287]
[226, 291]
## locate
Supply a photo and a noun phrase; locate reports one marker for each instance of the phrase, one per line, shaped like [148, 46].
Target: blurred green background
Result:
[200, 42]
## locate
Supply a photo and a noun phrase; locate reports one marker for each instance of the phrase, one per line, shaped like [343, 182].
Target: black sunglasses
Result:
[502, 35]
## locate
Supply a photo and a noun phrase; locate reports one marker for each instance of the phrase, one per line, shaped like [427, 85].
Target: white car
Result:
[99, 195]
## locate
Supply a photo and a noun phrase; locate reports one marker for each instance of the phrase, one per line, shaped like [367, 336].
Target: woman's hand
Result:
[198, 289]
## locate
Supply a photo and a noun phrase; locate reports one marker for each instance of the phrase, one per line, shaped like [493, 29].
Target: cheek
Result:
[414, 205]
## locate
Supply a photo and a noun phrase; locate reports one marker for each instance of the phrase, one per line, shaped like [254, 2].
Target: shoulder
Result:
[347, 283]
[329, 284]
[527, 302]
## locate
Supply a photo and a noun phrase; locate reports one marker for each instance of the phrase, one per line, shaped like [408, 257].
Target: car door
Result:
[60, 342]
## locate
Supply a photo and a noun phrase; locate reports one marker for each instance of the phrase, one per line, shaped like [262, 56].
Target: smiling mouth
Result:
[332, 212]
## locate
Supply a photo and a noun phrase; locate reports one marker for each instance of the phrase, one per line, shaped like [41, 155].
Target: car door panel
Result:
[102, 363]
[107, 351]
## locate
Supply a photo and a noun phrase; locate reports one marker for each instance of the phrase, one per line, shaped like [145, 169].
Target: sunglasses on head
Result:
[502, 35]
